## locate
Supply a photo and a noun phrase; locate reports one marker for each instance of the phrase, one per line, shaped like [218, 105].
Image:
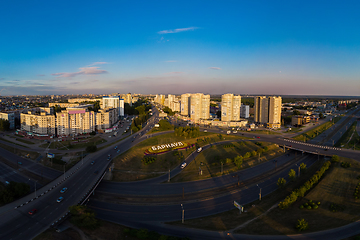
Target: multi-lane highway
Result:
[15, 224]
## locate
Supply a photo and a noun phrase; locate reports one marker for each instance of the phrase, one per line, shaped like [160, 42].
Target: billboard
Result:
[51, 155]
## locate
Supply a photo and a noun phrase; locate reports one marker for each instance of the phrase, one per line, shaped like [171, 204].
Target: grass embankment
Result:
[330, 190]
[306, 136]
[106, 231]
[294, 130]
[128, 166]
[337, 187]
[74, 144]
[20, 152]
[264, 132]
[210, 159]
[350, 138]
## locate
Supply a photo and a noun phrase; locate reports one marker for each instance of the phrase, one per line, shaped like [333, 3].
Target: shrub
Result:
[301, 206]
[345, 164]
[281, 182]
[302, 225]
[238, 161]
[335, 158]
[292, 174]
[318, 203]
[148, 160]
[309, 207]
[315, 207]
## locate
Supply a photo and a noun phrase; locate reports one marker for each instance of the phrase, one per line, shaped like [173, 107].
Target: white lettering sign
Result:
[163, 146]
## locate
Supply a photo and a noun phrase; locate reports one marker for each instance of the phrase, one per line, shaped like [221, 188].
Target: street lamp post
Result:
[35, 188]
[183, 213]
[259, 192]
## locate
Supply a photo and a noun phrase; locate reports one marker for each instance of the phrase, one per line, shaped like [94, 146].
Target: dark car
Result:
[92, 163]
[33, 211]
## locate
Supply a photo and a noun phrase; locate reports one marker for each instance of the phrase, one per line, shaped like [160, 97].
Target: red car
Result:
[32, 212]
[257, 137]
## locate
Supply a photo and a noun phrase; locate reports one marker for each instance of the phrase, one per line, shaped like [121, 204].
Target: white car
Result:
[199, 149]
[183, 165]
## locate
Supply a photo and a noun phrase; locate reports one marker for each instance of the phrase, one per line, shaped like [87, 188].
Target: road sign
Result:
[51, 155]
[240, 207]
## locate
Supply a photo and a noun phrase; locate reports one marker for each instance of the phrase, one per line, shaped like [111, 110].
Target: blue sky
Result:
[216, 47]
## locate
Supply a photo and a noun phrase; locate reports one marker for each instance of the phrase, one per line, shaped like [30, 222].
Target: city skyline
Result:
[260, 48]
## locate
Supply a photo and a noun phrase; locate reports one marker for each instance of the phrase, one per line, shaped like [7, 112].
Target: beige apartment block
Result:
[199, 107]
[268, 111]
[173, 103]
[80, 100]
[74, 121]
[39, 123]
[185, 102]
[106, 118]
[230, 107]
[63, 105]
[10, 116]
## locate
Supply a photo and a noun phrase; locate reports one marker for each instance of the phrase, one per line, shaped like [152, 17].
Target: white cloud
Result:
[215, 68]
[177, 30]
[98, 63]
[84, 70]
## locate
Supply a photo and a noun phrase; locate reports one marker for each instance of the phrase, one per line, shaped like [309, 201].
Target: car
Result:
[118, 151]
[20, 163]
[63, 190]
[199, 149]
[32, 211]
[257, 137]
[59, 199]
[115, 147]
[205, 130]
[183, 165]
[234, 131]
[92, 163]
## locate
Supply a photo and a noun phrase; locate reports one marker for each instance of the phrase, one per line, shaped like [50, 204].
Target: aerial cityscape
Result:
[179, 120]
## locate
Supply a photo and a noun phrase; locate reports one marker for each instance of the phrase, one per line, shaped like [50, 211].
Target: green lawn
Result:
[128, 166]
[313, 132]
[210, 160]
[63, 145]
[345, 140]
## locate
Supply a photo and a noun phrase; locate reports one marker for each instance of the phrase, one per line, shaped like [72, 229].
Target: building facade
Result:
[185, 103]
[106, 118]
[10, 117]
[245, 111]
[267, 111]
[38, 123]
[199, 107]
[230, 107]
[75, 121]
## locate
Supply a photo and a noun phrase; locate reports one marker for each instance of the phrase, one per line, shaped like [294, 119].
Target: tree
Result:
[303, 167]
[302, 225]
[281, 182]
[292, 174]
[218, 114]
[253, 153]
[4, 125]
[335, 158]
[238, 161]
[247, 155]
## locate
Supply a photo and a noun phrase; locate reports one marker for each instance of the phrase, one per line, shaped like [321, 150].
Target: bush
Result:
[148, 160]
[292, 174]
[345, 164]
[335, 207]
[335, 158]
[302, 225]
[308, 207]
[315, 207]
[238, 161]
[281, 182]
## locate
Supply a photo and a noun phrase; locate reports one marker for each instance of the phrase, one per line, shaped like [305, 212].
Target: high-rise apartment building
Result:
[185, 104]
[199, 106]
[74, 121]
[230, 107]
[113, 102]
[244, 111]
[268, 111]
[106, 118]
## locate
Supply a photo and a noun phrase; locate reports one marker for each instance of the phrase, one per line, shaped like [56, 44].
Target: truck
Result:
[156, 125]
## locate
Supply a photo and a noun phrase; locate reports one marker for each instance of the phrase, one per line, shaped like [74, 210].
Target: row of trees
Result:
[191, 132]
[168, 111]
[300, 192]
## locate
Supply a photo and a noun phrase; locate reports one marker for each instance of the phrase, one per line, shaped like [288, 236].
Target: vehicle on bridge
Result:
[183, 165]
[199, 149]
[63, 190]
[33, 211]
[59, 199]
